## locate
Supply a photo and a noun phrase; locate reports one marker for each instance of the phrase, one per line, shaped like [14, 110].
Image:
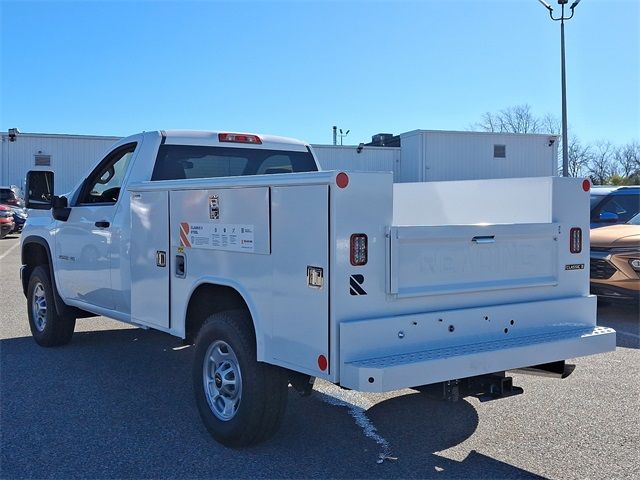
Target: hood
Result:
[616, 236]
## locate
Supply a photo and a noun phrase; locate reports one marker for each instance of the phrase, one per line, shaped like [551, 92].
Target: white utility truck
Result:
[281, 273]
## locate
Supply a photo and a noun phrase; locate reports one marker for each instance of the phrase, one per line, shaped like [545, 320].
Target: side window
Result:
[624, 206]
[104, 183]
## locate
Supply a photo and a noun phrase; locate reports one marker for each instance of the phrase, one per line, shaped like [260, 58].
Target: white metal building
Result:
[338, 157]
[70, 156]
[423, 155]
[433, 155]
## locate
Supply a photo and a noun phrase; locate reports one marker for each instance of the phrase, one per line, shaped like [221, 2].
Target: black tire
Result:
[49, 329]
[263, 387]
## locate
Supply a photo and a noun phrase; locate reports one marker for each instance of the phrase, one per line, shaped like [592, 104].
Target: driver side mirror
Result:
[39, 190]
[608, 217]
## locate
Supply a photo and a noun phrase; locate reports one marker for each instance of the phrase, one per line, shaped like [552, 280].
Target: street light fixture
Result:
[342, 135]
[562, 18]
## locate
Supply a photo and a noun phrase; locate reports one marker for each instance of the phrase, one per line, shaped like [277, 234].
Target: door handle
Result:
[484, 239]
[102, 224]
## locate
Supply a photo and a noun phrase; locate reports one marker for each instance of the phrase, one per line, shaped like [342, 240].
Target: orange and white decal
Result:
[184, 235]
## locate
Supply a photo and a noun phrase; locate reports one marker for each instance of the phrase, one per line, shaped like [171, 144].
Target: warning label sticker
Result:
[221, 236]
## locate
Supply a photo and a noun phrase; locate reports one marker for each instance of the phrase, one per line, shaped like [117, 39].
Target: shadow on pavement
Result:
[625, 319]
[119, 404]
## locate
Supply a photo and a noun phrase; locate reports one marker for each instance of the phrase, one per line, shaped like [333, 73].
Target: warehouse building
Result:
[415, 156]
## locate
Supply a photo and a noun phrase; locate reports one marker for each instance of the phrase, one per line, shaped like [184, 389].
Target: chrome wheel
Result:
[39, 307]
[222, 380]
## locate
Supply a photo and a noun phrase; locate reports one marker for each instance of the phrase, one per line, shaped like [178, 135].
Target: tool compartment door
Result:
[149, 257]
[436, 260]
[299, 241]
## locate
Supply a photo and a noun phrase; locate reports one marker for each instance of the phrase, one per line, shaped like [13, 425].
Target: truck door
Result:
[83, 242]
[300, 250]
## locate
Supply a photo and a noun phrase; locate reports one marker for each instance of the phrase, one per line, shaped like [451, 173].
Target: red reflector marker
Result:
[342, 180]
[322, 362]
[239, 138]
[575, 240]
[586, 185]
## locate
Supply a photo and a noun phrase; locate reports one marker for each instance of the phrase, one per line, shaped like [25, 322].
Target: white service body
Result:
[462, 278]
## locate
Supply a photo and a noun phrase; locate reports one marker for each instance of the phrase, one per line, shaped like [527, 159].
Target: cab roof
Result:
[198, 137]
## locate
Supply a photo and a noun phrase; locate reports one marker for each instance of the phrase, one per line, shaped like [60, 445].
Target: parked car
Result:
[19, 218]
[11, 196]
[6, 221]
[615, 261]
[610, 207]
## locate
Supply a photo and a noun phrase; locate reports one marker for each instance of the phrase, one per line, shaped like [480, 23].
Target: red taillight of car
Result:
[239, 138]
[575, 240]
[358, 249]
[12, 201]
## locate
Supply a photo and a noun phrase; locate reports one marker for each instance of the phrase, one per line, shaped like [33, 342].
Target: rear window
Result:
[6, 194]
[176, 162]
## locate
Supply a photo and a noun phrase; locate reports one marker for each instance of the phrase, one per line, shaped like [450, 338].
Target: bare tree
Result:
[579, 156]
[627, 158]
[600, 163]
[601, 160]
[550, 124]
[517, 119]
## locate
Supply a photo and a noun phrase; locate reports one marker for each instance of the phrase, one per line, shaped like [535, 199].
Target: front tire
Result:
[241, 401]
[49, 329]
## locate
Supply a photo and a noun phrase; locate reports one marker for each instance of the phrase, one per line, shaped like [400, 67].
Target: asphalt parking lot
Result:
[117, 403]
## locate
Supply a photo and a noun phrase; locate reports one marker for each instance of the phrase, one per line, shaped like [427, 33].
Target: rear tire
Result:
[241, 401]
[49, 329]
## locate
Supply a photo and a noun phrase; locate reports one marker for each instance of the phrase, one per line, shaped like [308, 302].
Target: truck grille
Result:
[601, 269]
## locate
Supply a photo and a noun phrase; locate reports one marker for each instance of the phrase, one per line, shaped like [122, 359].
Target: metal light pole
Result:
[562, 18]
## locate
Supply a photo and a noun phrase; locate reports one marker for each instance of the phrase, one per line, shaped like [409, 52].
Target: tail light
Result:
[358, 249]
[239, 138]
[575, 240]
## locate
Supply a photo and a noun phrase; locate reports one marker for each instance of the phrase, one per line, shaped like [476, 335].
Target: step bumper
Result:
[393, 372]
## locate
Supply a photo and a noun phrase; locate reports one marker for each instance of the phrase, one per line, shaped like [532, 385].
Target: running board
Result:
[405, 370]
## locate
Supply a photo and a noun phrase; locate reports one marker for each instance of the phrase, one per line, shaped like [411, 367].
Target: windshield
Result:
[635, 220]
[595, 199]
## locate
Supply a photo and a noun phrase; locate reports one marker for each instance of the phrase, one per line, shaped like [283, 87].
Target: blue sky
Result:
[297, 68]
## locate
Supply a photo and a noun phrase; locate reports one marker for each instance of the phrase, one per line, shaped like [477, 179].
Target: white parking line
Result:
[357, 404]
[8, 251]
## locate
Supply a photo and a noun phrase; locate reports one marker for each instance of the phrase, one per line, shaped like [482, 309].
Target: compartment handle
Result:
[484, 239]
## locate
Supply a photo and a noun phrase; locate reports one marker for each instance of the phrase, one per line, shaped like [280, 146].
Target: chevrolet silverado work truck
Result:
[280, 273]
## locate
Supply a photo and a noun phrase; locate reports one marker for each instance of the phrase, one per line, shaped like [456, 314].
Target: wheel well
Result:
[208, 299]
[33, 254]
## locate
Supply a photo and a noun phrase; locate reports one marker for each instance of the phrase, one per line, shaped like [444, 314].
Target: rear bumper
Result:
[615, 292]
[478, 354]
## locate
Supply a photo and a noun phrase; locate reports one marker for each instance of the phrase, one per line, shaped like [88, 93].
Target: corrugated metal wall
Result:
[72, 157]
[440, 155]
[379, 159]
